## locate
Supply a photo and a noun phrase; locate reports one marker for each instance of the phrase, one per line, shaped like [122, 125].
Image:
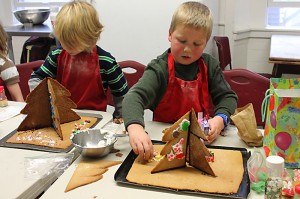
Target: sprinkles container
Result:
[273, 188]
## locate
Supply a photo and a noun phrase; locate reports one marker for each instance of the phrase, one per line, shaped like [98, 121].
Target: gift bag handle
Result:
[264, 105]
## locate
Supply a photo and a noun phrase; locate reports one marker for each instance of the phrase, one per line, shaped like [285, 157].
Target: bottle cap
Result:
[297, 189]
[275, 165]
[1, 89]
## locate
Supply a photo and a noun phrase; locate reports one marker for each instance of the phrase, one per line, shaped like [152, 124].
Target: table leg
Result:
[276, 71]
[10, 48]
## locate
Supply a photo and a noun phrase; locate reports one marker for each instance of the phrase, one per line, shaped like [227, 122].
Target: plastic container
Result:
[274, 183]
[3, 98]
[297, 192]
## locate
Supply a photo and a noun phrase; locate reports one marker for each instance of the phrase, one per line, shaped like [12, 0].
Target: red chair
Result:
[133, 71]
[223, 51]
[25, 71]
[250, 87]
[225, 55]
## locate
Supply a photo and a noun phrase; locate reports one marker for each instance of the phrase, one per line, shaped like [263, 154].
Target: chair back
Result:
[250, 87]
[25, 71]
[223, 51]
[133, 71]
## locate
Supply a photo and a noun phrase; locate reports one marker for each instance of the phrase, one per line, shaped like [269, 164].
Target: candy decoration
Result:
[185, 125]
[283, 140]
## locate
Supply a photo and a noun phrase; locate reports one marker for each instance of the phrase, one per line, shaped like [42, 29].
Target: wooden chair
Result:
[133, 71]
[225, 54]
[250, 87]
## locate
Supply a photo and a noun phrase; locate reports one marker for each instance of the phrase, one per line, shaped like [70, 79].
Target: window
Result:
[283, 14]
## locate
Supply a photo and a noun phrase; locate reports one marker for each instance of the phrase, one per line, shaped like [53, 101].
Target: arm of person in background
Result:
[15, 92]
[117, 114]
[48, 69]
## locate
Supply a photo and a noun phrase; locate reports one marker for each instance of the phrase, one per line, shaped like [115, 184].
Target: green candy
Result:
[258, 187]
[185, 125]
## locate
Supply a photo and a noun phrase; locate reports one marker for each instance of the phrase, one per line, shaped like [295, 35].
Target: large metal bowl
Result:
[32, 16]
[92, 143]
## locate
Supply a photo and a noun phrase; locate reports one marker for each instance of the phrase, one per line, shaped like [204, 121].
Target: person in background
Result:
[8, 71]
[180, 79]
[84, 68]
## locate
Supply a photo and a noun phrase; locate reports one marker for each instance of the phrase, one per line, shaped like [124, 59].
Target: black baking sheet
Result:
[3, 142]
[243, 191]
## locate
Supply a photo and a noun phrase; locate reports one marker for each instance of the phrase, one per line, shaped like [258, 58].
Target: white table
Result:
[12, 181]
[108, 188]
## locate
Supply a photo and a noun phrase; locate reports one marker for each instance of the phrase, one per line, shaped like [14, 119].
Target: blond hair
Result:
[77, 25]
[3, 42]
[194, 14]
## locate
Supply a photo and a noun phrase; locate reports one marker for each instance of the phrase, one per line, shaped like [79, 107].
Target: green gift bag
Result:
[282, 127]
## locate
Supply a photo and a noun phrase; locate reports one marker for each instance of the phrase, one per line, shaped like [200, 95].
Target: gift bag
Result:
[282, 127]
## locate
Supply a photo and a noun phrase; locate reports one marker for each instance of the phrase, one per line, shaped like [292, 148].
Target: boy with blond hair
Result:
[180, 79]
[84, 68]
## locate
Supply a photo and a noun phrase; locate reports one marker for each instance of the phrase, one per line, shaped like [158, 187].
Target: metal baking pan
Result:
[3, 142]
[243, 191]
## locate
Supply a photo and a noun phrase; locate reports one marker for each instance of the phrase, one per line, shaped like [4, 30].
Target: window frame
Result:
[284, 3]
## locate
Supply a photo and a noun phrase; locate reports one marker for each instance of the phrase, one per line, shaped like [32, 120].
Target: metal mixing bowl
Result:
[34, 16]
[93, 143]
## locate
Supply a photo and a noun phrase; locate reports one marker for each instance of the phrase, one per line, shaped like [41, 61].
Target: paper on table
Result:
[118, 129]
[9, 112]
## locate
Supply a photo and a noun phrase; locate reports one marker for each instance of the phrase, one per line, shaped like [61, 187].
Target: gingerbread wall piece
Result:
[48, 105]
[184, 146]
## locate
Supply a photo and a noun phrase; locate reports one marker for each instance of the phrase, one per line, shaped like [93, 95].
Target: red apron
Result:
[80, 74]
[181, 96]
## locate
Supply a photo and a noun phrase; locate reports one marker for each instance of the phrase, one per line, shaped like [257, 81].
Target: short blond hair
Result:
[77, 24]
[194, 14]
[3, 42]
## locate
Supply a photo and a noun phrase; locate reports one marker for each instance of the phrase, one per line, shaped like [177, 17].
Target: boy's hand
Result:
[140, 141]
[216, 125]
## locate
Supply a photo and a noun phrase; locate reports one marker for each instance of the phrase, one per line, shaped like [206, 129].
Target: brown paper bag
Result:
[245, 121]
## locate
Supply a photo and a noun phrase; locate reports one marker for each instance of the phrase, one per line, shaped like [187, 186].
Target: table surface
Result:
[13, 181]
[108, 188]
[284, 49]
[36, 30]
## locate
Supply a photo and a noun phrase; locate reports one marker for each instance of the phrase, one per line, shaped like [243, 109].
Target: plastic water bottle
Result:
[3, 98]
[274, 183]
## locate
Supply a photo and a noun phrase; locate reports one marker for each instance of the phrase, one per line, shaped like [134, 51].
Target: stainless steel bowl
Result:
[33, 16]
[92, 143]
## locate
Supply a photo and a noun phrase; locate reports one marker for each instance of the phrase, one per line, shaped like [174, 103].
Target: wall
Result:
[138, 30]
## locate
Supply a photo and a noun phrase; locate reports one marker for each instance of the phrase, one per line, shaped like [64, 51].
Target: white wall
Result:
[138, 30]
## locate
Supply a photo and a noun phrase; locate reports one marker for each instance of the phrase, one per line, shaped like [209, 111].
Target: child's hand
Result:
[216, 125]
[140, 141]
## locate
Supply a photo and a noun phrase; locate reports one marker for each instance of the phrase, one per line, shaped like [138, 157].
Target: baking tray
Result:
[243, 191]
[3, 142]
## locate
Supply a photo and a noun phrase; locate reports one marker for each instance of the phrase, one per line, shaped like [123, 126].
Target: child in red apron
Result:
[180, 79]
[81, 66]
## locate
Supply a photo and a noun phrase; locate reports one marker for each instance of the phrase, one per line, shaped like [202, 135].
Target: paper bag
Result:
[245, 121]
[282, 127]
